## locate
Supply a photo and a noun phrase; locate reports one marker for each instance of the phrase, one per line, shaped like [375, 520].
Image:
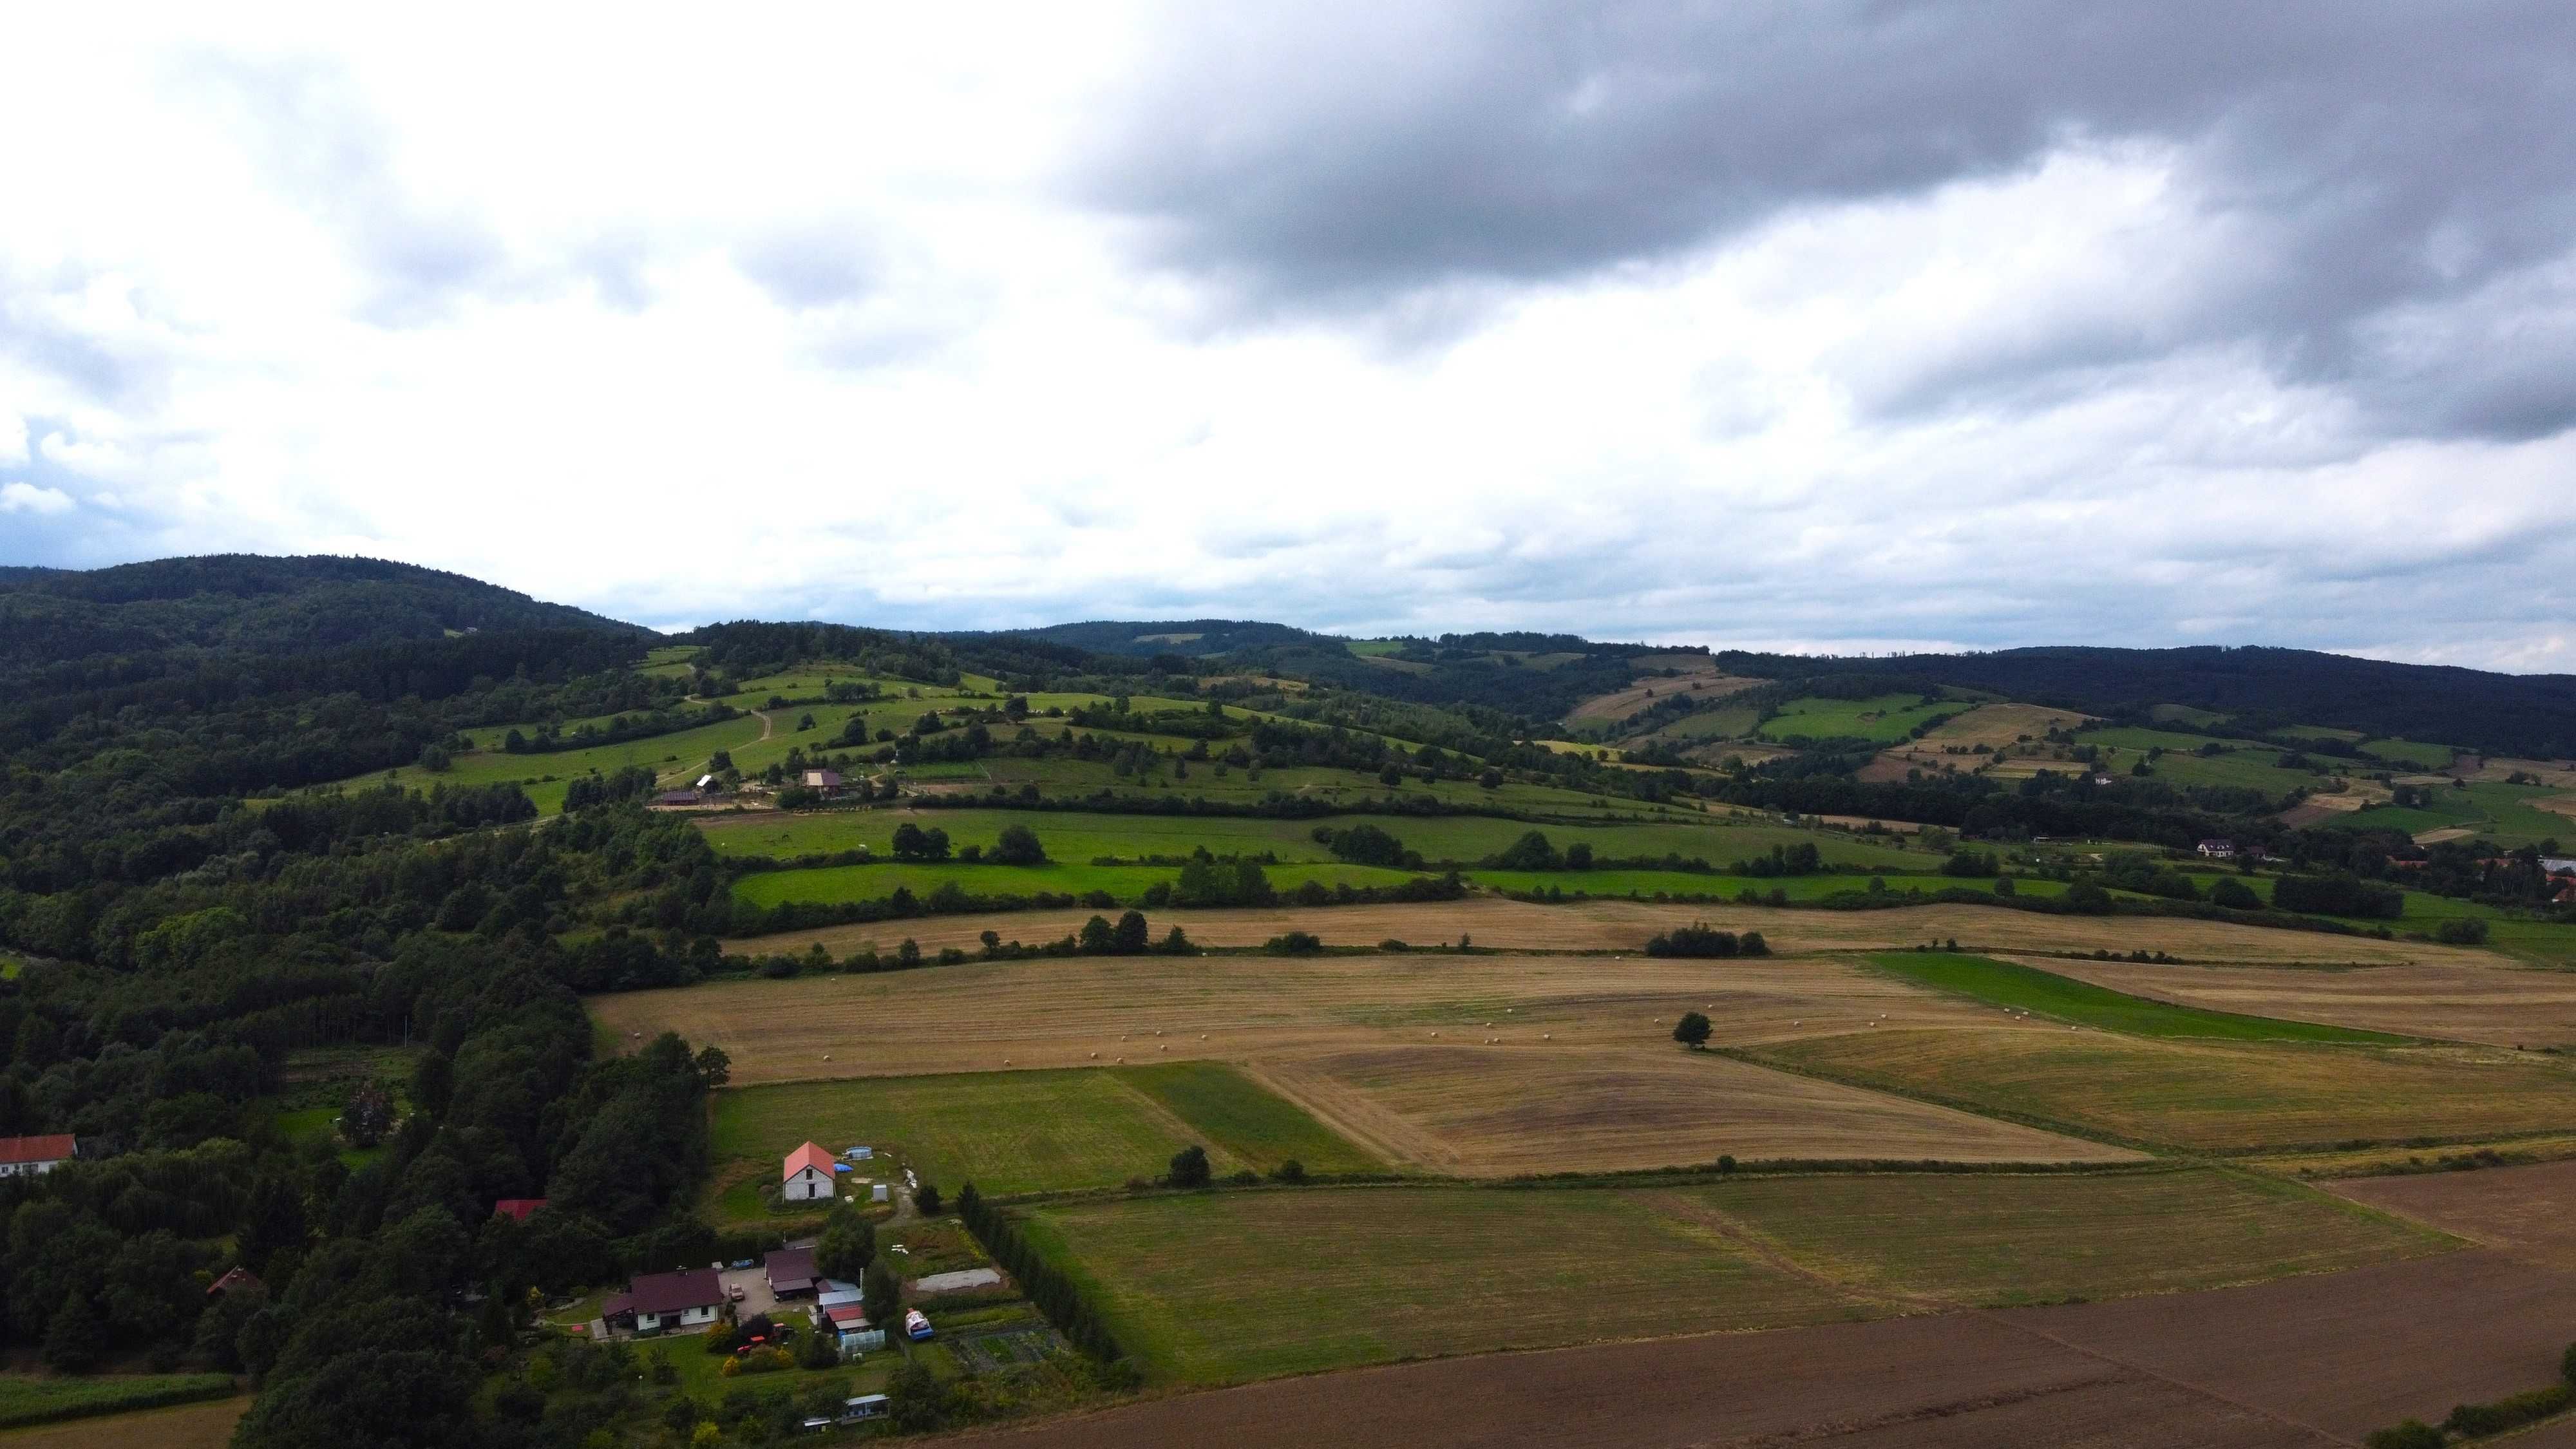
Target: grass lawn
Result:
[1254, 1125]
[2049, 994]
[1998, 1240]
[2219, 1096]
[1210, 1288]
[1007, 1132]
[702, 1373]
[38, 1399]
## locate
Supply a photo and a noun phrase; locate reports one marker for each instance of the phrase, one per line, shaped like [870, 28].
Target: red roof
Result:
[847, 1314]
[14, 1150]
[237, 1278]
[518, 1208]
[806, 1156]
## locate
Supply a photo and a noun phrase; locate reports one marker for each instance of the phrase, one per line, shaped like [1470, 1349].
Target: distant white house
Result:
[2558, 865]
[807, 1175]
[28, 1156]
[2218, 849]
[823, 780]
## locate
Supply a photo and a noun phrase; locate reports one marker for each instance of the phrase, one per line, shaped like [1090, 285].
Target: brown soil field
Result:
[1999, 725]
[1472, 1111]
[2347, 1352]
[1620, 925]
[2523, 1212]
[2319, 1360]
[2499, 1005]
[188, 1426]
[2549, 772]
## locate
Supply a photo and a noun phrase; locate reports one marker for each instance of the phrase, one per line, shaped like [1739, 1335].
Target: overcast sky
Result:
[1808, 325]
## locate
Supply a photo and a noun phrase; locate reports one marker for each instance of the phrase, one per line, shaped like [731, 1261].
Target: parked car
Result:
[734, 1293]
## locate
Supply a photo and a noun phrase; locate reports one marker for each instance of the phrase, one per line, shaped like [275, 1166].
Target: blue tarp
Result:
[840, 1167]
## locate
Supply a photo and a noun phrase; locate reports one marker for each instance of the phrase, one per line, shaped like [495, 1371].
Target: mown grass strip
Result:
[2027, 988]
[1254, 1124]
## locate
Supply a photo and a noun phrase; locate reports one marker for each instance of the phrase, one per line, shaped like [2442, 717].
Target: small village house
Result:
[28, 1156]
[2218, 849]
[660, 1302]
[826, 781]
[807, 1175]
[517, 1209]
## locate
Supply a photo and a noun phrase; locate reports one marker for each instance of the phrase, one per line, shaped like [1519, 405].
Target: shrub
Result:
[2236, 895]
[1189, 1167]
[2467, 931]
[757, 1361]
[2412, 1434]
[1701, 940]
[1295, 943]
[1294, 1171]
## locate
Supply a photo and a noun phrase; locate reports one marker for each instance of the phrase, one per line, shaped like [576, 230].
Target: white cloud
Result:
[28, 498]
[708, 325]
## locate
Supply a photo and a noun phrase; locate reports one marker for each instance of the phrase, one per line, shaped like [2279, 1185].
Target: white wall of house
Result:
[12, 1169]
[806, 1184]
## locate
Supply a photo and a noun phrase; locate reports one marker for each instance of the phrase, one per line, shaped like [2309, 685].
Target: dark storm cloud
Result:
[2367, 158]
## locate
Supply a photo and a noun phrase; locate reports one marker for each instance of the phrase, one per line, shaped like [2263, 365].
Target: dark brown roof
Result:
[668, 1293]
[789, 1268]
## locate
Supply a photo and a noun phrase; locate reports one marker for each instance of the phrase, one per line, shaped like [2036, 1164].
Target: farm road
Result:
[2316, 1360]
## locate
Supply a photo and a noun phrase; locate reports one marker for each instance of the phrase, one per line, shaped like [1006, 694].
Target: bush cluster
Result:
[1705, 941]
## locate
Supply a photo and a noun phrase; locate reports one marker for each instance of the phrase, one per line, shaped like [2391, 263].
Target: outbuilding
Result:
[790, 1272]
[807, 1175]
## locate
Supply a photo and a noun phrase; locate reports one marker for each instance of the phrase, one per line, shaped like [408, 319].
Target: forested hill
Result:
[1190, 638]
[2510, 714]
[252, 604]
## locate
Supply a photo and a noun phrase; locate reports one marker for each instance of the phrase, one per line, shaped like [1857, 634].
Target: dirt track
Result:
[2303, 1361]
[1616, 925]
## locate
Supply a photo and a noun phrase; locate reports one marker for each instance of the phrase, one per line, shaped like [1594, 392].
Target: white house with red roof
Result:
[807, 1176]
[26, 1156]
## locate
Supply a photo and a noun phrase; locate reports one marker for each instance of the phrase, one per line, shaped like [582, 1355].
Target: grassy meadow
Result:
[1885, 719]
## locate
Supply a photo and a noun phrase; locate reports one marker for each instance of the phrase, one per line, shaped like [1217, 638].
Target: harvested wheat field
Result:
[1091, 1010]
[2522, 1212]
[2205, 1095]
[2498, 1005]
[1703, 683]
[1475, 1112]
[1496, 922]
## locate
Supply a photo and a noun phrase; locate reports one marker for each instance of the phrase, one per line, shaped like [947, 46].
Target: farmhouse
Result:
[807, 1175]
[2218, 849]
[679, 797]
[790, 1271]
[824, 780]
[24, 1156]
[655, 1302]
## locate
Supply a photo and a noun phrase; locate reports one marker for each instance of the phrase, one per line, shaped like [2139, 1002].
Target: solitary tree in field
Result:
[1189, 1167]
[1019, 846]
[1692, 1030]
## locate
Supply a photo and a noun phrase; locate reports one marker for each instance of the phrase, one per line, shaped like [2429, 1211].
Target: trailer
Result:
[915, 1326]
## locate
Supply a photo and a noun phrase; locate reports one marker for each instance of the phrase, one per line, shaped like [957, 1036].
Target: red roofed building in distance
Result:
[517, 1209]
[25, 1156]
[808, 1174]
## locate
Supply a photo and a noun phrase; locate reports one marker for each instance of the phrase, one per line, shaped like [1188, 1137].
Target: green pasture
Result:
[2185, 714]
[2319, 732]
[1996, 1240]
[2411, 752]
[2495, 811]
[2026, 988]
[1210, 1288]
[673, 758]
[2518, 935]
[1007, 1132]
[1234, 1112]
[1886, 718]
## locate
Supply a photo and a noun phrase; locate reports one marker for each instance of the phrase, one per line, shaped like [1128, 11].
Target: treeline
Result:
[1055, 1294]
[550, 739]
